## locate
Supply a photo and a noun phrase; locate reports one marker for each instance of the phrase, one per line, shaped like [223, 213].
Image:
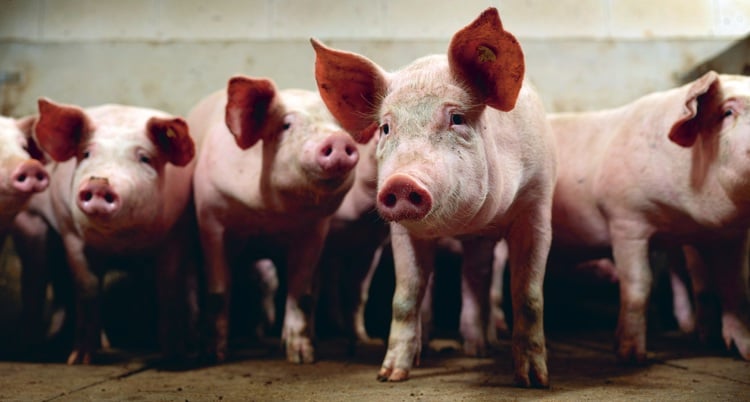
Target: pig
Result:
[121, 197]
[274, 167]
[669, 169]
[464, 150]
[22, 174]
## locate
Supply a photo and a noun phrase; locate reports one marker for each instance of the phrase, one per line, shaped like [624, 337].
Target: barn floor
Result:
[580, 318]
[582, 367]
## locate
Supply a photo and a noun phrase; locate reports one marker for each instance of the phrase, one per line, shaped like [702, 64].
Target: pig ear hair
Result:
[172, 137]
[60, 128]
[251, 104]
[351, 87]
[685, 130]
[489, 60]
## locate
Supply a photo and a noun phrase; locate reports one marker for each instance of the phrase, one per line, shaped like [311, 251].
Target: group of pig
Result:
[452, 149]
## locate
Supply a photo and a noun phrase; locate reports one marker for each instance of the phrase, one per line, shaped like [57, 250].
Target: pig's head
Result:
[713, 120]
[21, 171]
[305, 151]
[121, 155]
[433, 167]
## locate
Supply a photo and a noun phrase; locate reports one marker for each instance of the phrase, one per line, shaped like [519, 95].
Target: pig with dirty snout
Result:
[22, 174]
[274, 167]
[120, 197]
[669, 169]
[463, 150]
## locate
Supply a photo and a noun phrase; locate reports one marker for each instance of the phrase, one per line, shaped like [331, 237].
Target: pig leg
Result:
[528, 244]
[302, 268]
[269, 284]
[426, 309]
[414, 261]
[88, 289]
[476, 274]
[730, 268]
[218, 285]
[30, 237]
[682, 308]
[705, 294]
[498, 326]
[631, 259]
[360, 330]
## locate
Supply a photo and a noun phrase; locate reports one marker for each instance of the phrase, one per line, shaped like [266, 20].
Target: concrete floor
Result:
[582, 367]
[579, 323]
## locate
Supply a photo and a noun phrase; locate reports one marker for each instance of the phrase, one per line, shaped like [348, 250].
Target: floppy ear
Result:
[352, 88]
[172, 138]
[60, 129]
[685, 130]
[252, 105]
[489, 60]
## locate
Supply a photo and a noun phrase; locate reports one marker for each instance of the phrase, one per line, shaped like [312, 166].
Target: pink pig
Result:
[21, 175]
[463, 150]
[274, 167]
[120, 196]
[670, 168]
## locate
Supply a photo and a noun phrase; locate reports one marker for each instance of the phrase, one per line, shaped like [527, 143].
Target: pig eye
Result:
[457, 119]
[286, 126]
[86, 154]
[385, 129]
[728, 113]
[145, 159]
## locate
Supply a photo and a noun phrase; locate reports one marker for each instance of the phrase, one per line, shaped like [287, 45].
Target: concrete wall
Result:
[582, 54]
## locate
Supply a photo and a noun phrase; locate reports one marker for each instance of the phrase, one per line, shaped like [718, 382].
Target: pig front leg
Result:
[218, 285]
[498, 325]
[476, 274]
[528, 244]
[630, 250]
[360, 330]
[414, 262]
[302, 268]
[88, 289]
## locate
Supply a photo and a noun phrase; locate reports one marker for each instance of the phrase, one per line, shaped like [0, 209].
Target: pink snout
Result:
[30, 177]
[337, 154]
[402, 198]
[97, 197]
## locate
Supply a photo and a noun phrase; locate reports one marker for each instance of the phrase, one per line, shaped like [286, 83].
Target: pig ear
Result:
[685, 130]
[251, 104]
[489, 60]
[352, 88]
[60, 129]
[172, 137]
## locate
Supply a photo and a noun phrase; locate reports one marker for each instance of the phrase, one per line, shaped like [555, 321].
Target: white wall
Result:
[582, 54]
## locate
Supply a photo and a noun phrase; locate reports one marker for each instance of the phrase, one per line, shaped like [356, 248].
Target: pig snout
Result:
[30, 177]
[97, 197]
[337, 154]
[403, 198]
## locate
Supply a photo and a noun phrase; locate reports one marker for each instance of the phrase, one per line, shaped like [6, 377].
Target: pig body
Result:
[21, 175]
[464, 150]
[670, 168]
[120, 197]
[268, 192]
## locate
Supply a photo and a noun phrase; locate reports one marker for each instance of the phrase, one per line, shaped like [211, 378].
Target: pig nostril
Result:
[109, 197]
[415, 198]
[350, 151]
[390, 200]
[21, 178]
[40, 176]
[327, 151]
[87, 196]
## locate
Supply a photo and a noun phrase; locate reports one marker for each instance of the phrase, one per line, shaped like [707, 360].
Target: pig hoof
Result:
[475, 349]
[384, 374]
[300, 352]
[79, 357]
[535, 379]
[398, 375]
[629, 354]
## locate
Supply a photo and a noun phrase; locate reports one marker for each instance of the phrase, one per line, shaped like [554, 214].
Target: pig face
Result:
[20, 174]
[304, 151]
[715, 123]
[435, 170]
[120, 153]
